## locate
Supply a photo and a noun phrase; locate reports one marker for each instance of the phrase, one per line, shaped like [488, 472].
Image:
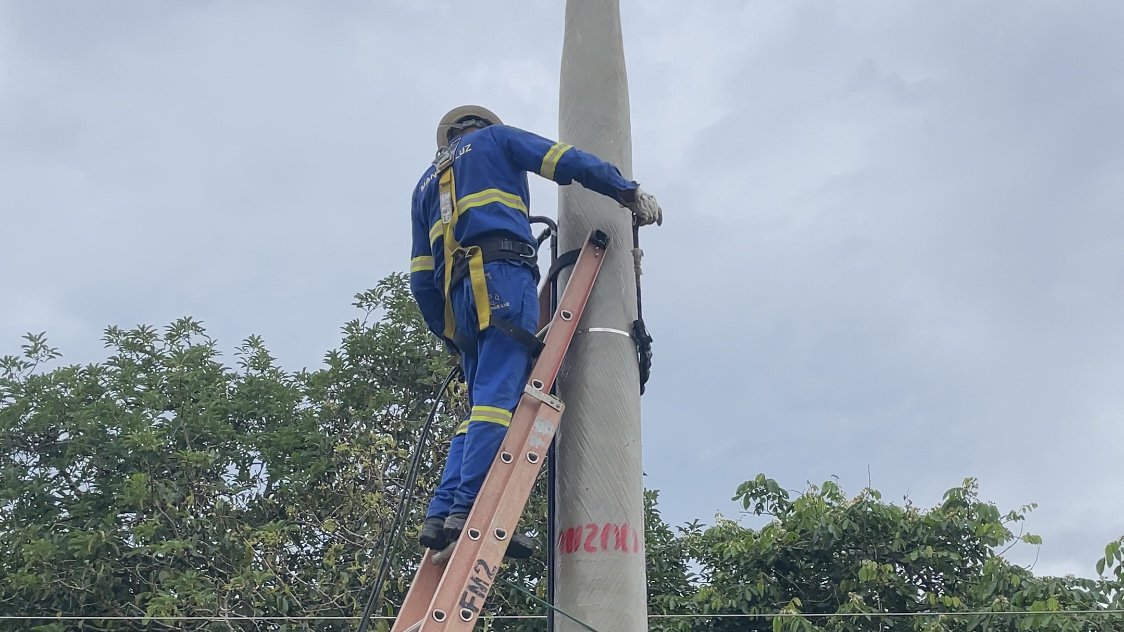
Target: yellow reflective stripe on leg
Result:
[421, 264]
[506, 423]
[486, 414]
[489, 196]
[492, 414]
[550, 160]
[479, 287]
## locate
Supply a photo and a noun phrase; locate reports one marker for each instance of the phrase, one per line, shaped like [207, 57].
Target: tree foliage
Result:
[163, 482]
[829, 563]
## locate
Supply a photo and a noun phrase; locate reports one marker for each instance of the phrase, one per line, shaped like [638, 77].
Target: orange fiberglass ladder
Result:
[449, 596]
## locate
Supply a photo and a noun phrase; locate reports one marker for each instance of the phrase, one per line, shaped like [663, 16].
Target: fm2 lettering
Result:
[479, 583]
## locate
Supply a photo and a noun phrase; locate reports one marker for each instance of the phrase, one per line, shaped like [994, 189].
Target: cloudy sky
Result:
[894, 243]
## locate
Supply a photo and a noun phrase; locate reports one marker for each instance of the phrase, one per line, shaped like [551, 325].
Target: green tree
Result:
[162, 482]
[836, 558]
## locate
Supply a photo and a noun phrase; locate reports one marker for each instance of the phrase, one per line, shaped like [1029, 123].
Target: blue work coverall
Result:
[490, 167]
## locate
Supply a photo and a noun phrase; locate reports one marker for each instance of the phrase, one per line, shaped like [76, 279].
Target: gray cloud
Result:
[907, 224]
[893, 235]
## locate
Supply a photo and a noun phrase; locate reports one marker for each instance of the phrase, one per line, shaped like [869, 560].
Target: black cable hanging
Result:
[405, 499]
[551, 451]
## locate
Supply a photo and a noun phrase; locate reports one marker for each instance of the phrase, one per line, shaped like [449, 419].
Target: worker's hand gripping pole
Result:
[456, 601]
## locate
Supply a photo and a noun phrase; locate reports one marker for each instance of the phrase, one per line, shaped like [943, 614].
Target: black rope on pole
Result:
[639, 330]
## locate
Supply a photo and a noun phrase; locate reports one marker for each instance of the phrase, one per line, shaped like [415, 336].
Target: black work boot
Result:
[433, 534]
[521, 547]
[454, 524]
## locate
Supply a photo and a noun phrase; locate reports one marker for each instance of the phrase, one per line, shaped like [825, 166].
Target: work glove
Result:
[645, 208]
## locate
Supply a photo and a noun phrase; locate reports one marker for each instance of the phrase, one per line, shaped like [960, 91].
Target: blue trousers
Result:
[495, 370]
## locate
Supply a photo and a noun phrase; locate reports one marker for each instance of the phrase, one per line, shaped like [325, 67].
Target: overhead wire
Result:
[713, 615]
[542, 602]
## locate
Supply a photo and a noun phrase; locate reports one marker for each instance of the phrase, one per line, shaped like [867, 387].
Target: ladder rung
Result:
[448, 599]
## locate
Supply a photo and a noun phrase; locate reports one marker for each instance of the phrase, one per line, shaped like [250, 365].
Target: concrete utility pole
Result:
[599, 572]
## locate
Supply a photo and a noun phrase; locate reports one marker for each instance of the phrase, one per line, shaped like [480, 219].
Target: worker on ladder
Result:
[474, 275]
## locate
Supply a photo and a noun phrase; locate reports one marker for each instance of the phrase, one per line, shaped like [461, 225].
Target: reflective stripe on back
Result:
[489, 196]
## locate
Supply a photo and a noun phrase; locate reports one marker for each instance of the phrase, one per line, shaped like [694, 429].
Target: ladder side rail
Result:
[563, 327]
[457, 570]
[492, 544]
[428, 576]
[572, 302]
[419, 595]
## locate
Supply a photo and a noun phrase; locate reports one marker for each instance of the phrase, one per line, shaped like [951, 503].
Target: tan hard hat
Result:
[457, 114]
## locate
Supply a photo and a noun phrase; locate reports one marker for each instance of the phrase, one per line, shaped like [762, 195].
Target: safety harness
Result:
[468, 261]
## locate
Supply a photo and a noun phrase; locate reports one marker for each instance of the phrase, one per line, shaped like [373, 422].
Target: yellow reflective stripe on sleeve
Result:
[489, 196]
[462, 428]
[435, 232]
[421, 264]
[550, 160]
[491, 414]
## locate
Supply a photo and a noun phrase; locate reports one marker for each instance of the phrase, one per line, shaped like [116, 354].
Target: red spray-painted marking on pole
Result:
[608, 537]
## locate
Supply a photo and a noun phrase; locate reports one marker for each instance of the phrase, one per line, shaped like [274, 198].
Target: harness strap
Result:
[469, 261]
[525, 338]
[447, 192]
[495, 248]
[475, 259]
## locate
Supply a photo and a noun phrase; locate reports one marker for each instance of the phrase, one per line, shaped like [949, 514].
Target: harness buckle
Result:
[521, 248]
[444, 158]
